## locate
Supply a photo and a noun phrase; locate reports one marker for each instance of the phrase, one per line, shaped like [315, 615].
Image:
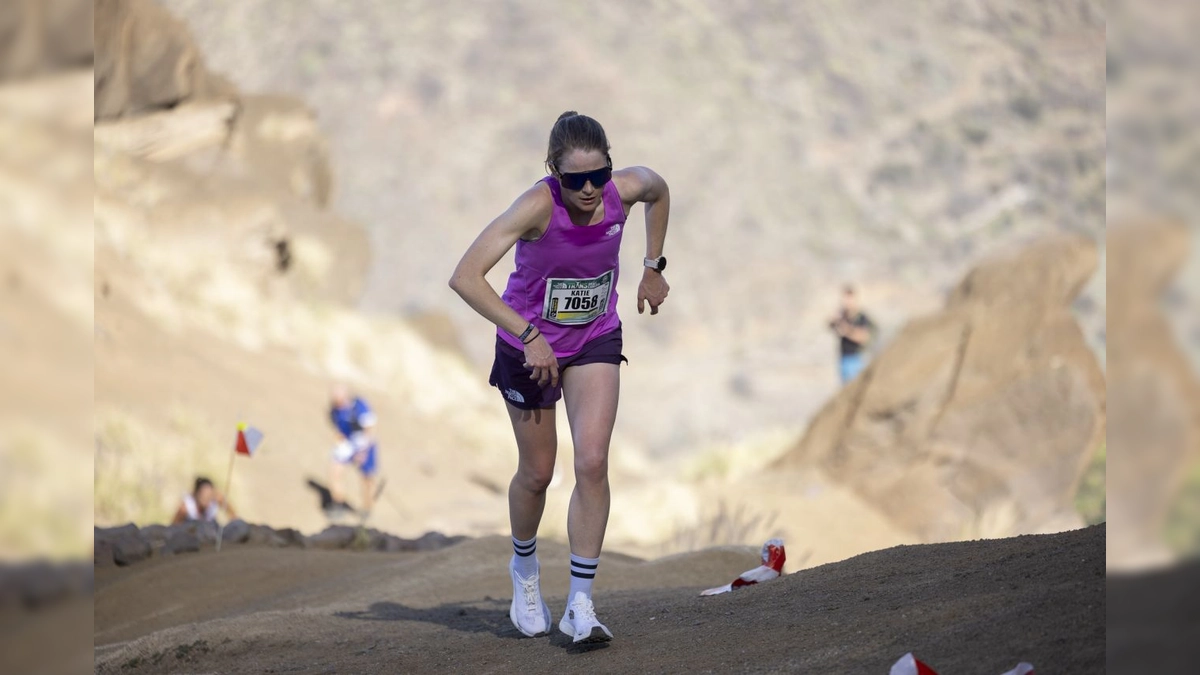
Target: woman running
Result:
[559, 336]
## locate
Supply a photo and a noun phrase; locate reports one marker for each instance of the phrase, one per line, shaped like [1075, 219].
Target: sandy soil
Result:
[968, 607]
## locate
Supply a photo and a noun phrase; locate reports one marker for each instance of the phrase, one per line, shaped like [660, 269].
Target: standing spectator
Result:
[854, 330]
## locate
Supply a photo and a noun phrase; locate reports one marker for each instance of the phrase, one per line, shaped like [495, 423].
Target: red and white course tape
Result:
[773, 557]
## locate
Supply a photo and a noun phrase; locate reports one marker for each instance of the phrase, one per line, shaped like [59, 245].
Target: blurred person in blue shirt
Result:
[354, 422]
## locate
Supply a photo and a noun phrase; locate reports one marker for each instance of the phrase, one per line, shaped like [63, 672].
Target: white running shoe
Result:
[528, 612]
[581, 624]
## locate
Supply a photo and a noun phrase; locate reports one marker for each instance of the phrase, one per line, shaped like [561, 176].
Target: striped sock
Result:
[583, 573]
[525, 561]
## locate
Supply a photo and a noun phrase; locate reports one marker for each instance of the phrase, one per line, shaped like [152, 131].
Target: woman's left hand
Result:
[653, 290]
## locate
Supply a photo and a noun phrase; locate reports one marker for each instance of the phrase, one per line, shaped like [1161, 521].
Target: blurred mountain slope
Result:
[807, 144]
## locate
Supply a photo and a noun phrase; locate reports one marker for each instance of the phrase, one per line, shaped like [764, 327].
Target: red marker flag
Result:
[248, 440]
[909, 665]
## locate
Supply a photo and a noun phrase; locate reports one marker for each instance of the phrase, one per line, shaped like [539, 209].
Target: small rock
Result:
[206, 531]
[432, 541]
[126, 543]
[130, 549]
[236, 532]
[40, 584]
[181, 542]
[290, 537]
[103, 553]
[261, 534]
[393, 544]
[333, 537]
[376, 540]
[114, 533]
[155, 534]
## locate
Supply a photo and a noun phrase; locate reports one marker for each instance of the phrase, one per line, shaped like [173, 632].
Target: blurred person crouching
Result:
[204, 503]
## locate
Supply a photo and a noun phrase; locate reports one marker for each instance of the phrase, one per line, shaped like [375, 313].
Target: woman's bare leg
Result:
[537, 445]
[591, 392]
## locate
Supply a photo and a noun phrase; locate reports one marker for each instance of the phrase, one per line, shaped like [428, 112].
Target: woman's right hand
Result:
[539, 357]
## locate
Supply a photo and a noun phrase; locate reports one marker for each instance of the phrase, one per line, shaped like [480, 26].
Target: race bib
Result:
[573, 302]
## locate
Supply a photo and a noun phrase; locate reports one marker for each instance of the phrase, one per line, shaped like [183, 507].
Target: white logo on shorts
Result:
[514, 396]
[613, 230]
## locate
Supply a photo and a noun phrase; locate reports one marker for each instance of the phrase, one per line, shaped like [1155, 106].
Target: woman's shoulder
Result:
[632, 182]
[539, 197]
[532, 210]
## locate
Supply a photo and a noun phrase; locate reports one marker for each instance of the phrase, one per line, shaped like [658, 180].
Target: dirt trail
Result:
[968, 607]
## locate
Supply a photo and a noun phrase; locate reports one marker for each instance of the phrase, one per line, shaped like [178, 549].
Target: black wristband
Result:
[528, 330]
[531, 338]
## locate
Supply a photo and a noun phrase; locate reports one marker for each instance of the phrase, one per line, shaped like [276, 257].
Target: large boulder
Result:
[1155, 418]
[145, 60]
[978, 420]
[162, 121]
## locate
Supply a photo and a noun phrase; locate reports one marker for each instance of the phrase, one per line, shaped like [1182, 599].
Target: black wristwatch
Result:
[657, 264]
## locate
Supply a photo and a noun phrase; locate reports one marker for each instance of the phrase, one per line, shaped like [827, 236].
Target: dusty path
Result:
[972, 607]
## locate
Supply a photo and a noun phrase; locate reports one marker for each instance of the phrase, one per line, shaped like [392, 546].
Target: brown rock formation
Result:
[1155, 430]
[162, 118]
[978, 420]
[146, 60]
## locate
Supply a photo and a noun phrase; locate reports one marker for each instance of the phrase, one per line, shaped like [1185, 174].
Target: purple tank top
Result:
[565, 282]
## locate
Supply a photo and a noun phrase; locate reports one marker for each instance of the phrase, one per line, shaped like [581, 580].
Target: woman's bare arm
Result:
[530, 213]
[227, 506]
[640, 184]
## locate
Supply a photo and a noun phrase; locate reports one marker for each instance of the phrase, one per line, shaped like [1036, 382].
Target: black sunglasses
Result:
[576, 181]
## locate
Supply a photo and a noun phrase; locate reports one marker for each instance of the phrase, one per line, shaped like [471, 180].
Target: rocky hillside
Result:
[222, 279]
[978, 420]
[807, 144]
[1156, 408]
[46, 317]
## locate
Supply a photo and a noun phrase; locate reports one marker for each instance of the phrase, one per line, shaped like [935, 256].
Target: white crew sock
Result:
[525, 560]
[583, 573]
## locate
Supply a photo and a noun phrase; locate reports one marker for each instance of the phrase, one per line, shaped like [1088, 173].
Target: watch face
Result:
[662, 263]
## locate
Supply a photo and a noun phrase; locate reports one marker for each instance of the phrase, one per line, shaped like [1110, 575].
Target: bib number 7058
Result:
[572, 302]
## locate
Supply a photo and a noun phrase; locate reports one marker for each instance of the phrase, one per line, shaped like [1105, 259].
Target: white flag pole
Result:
[228, 483]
